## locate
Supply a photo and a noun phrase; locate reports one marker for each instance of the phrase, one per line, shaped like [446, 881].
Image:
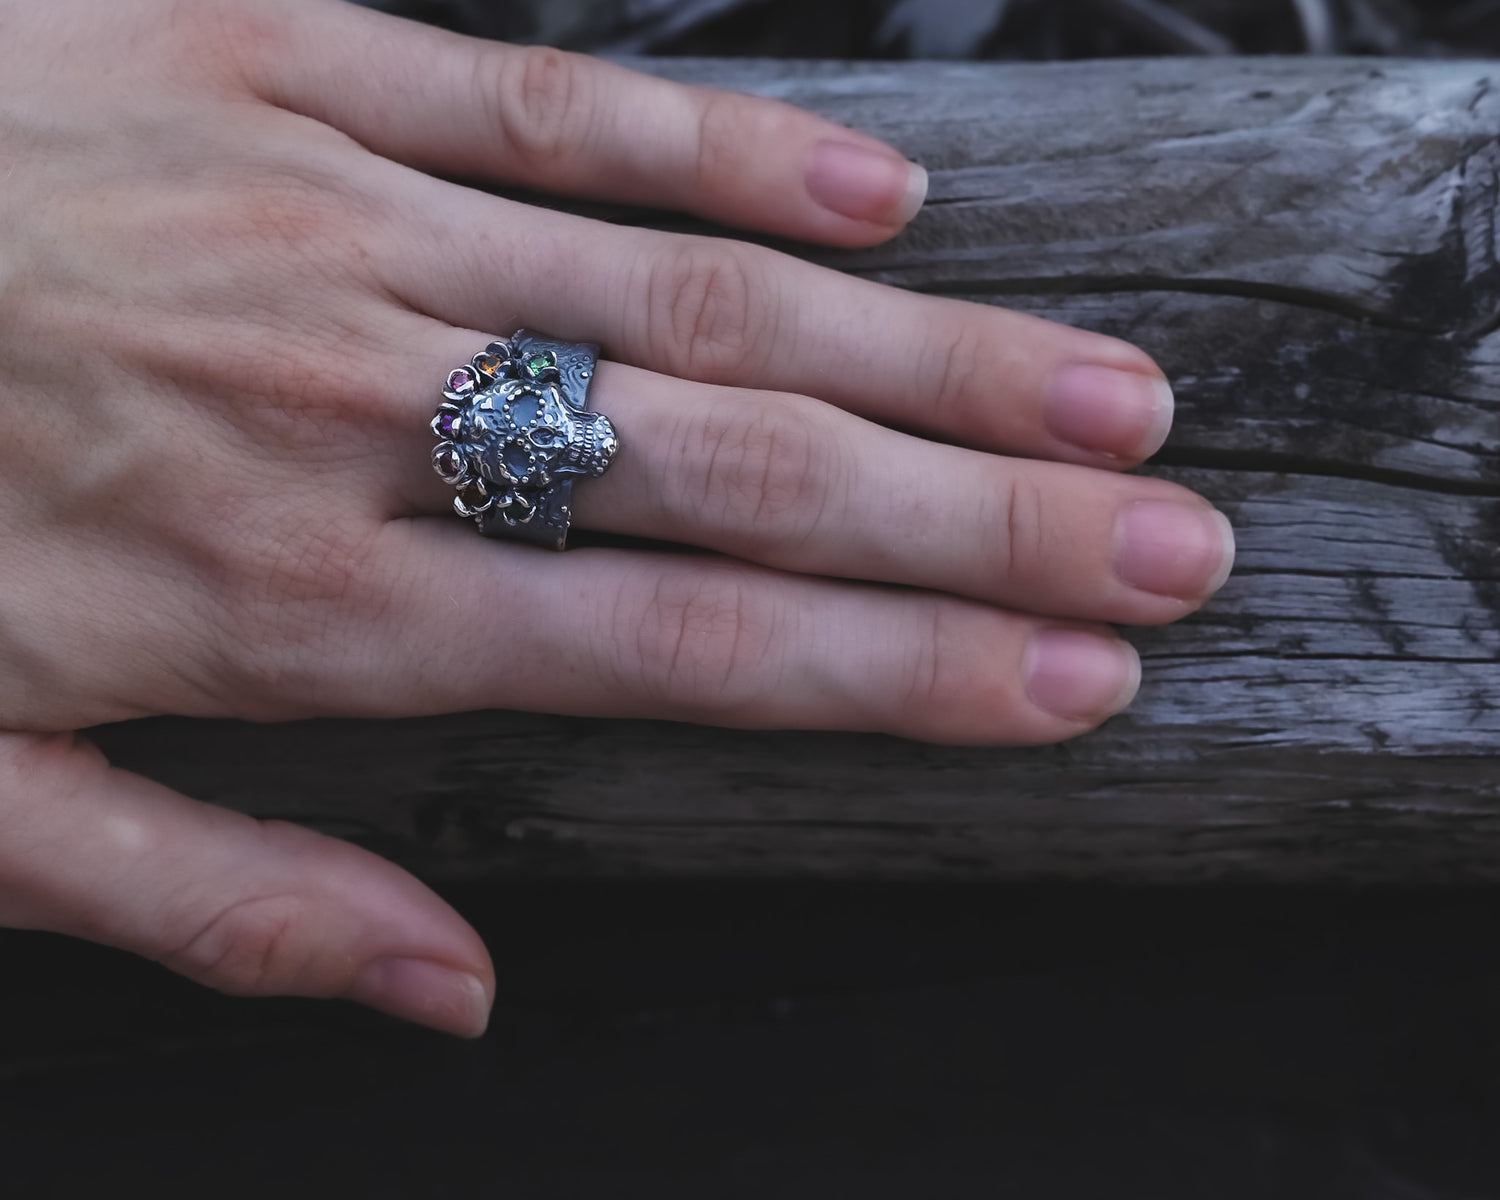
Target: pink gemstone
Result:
[460, 381]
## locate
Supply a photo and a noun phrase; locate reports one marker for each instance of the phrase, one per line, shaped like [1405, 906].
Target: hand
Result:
[231, 283]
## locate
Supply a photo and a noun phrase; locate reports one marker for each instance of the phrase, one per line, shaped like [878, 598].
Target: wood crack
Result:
[1303, 656]
[1261, 462]
[1241, 289]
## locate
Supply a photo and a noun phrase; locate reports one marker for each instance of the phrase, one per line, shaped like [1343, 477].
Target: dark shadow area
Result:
[798, 1040]
[1036, 30]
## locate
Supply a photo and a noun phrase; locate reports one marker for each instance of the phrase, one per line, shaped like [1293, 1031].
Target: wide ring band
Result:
[514, 431]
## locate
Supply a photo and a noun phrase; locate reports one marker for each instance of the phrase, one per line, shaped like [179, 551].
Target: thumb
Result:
[253, 908]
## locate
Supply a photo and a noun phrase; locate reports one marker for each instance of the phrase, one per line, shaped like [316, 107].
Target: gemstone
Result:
[517, 509]
[447, 423]
[537, 363]
[474, 496]
[448, 462]
[489, 363]
[460, 381]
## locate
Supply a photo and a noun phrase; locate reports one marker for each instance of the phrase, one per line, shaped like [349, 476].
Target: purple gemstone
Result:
[447, 423]
[460, 381]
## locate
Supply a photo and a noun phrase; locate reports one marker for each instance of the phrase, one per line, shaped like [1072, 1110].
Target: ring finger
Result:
[796, 484]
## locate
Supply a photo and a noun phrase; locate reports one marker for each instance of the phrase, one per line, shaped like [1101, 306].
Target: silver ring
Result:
[514, 431]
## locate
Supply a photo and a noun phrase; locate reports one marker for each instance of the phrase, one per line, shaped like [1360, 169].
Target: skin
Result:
[233, 272]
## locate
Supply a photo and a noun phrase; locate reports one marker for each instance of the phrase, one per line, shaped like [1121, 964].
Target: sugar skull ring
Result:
[514, 432]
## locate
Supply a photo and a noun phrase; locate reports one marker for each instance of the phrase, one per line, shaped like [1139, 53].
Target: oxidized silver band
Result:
[514, 431]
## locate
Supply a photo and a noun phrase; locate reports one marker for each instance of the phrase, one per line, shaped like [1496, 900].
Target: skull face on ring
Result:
[508, 434]
[524, 436]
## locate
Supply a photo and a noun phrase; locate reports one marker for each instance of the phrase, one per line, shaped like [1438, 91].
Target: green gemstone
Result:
[537, 363]
[518, 510]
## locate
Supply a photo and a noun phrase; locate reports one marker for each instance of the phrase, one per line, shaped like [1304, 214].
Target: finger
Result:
[567, 123]
[251, 908]
[800, 485]
[472, 623]
[725, 312]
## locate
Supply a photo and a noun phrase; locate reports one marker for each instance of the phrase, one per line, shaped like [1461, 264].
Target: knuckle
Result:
[285, 204]
[292, 239]
[251, 947]
[280, 387]
[762, 470]
[299, 398]
[1023, 552]
[728, 122]
[224, 39]
[210, 41]
[310, 386]
[537, 99]
[961, 372]
[722, 136]
[702, 642]
[948, 690]
[707, 309]
[928, 685]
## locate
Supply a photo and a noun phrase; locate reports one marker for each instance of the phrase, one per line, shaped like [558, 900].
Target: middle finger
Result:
[720, 311]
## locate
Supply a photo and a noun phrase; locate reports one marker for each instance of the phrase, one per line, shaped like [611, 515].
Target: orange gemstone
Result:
[474, 495]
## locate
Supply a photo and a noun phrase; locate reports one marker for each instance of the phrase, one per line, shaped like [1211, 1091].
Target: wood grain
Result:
[1308, 247]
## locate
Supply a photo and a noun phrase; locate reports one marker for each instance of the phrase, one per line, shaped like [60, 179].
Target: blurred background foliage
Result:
[979, 29]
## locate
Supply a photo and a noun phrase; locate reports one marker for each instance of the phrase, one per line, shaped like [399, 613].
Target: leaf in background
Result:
[653, 21]
[942, 28]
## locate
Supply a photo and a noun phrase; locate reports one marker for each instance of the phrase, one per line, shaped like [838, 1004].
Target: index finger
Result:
[576, 125]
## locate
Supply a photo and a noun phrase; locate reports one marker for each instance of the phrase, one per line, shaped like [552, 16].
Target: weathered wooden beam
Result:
[1309, 249]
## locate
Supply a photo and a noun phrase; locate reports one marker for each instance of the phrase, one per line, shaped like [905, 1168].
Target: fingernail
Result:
[1080, 676]
[1106, 411]
[1172, 549]
[865, 184]
[421, 991]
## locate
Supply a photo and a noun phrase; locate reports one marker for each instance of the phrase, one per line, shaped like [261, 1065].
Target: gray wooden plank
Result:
[1307, 246]
[1318, 180]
